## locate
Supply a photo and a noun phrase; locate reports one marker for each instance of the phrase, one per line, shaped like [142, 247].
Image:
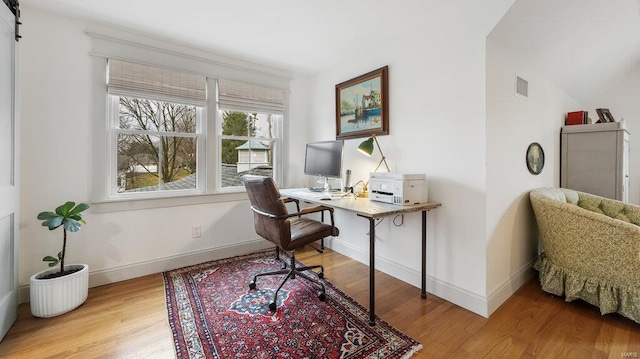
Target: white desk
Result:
[371, 210]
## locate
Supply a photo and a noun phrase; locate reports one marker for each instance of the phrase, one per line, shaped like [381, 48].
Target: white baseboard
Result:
[500, 295]
[459, 296]
[451, 293]
[125, 272]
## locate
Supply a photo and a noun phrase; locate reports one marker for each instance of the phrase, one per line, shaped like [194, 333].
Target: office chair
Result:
[288, 231]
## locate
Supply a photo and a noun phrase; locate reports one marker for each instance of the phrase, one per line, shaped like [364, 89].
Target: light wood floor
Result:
[128, 320]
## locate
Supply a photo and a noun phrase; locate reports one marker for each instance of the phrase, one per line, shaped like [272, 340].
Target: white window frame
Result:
[114, 44]
[112, 144]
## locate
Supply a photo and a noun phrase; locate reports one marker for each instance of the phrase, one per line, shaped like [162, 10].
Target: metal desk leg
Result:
[372, 272]
[423, 293]
[321, 239]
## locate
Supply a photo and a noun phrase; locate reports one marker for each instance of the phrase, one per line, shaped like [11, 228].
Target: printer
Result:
[398, 188]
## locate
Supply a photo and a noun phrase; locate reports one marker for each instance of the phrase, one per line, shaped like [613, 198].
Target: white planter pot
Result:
[51, 297]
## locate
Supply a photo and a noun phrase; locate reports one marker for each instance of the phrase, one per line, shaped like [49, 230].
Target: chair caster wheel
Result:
[321, 275]
[321, 296]
[272, 307]
[252, 285]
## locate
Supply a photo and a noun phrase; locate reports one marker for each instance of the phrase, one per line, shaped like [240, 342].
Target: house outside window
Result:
[248, 142]
[252, 154]
[250, 131]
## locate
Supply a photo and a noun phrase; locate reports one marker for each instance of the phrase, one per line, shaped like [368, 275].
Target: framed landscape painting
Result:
[362, 105]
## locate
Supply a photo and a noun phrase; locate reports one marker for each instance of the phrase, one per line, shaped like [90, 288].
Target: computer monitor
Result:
[323, 159]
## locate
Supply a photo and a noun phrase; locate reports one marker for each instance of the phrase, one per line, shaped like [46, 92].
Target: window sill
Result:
[134, 204]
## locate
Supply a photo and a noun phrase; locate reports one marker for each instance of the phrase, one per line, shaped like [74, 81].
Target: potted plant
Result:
[60, 290]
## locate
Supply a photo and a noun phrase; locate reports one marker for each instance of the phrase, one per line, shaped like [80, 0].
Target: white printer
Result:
[398, 188]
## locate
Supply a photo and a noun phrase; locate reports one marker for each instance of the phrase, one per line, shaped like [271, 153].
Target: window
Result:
[248, 142]
[156, 145]
[165, 74]
[250, 130]
[158, 132]
[156, 136]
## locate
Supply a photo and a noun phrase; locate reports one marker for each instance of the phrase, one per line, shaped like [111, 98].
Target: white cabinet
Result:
[595, 159]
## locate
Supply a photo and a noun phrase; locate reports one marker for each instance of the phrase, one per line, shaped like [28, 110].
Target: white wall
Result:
[623, 100]
[437, 127]
[56, 154]
[299, 131]
[55, 104]
[512, 124]
[437, 86]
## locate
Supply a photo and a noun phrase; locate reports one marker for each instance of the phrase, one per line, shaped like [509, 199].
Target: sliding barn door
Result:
[8, 172]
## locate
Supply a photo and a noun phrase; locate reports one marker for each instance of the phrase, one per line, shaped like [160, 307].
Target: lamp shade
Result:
[366, 147]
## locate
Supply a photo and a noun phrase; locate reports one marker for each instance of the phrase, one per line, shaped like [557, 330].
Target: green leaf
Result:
[53, 223]
[79, 209]
[65, 208]
[52, 261]
[71, 225]
[46, 215]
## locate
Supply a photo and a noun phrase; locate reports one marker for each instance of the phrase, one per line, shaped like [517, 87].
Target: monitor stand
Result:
[322, 185]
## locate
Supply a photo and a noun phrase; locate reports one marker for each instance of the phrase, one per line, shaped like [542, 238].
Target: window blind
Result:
[157, 83]
[234, 95]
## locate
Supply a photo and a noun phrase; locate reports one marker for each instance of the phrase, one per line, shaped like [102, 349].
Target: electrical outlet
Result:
[196, 232]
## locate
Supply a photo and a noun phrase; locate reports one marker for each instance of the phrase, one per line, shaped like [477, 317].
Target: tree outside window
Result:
[157, 145]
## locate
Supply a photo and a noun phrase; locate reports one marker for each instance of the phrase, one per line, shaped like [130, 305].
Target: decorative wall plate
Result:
[535, 158]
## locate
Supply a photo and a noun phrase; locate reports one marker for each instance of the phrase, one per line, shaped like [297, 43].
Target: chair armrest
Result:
[314, 209]
[308, 210]
[289, 200]
[319, 208]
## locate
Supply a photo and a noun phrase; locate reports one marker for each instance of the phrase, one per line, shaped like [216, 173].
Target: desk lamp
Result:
[366, 147]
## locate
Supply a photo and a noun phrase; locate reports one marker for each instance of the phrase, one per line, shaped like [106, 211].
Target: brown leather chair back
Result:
[265, 197]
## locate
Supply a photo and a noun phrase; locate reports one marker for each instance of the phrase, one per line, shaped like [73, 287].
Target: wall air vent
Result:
[522, 87]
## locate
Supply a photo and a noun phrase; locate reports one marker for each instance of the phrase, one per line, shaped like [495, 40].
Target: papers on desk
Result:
[319, 195]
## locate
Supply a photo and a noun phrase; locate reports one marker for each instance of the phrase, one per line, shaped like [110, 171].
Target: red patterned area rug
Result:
[213, 314]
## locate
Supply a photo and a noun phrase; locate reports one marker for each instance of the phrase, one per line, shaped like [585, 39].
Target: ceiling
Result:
[299, 36]
[583, 46]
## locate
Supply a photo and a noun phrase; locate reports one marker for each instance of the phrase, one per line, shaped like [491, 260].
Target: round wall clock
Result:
[535, 158]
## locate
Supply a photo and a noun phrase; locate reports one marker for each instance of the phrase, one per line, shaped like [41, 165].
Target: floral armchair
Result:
[591, 249]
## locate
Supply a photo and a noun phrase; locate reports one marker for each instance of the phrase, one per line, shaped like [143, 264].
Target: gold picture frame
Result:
[362, 105]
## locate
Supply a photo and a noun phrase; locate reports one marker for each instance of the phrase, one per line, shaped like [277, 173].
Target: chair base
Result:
[291, 271]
